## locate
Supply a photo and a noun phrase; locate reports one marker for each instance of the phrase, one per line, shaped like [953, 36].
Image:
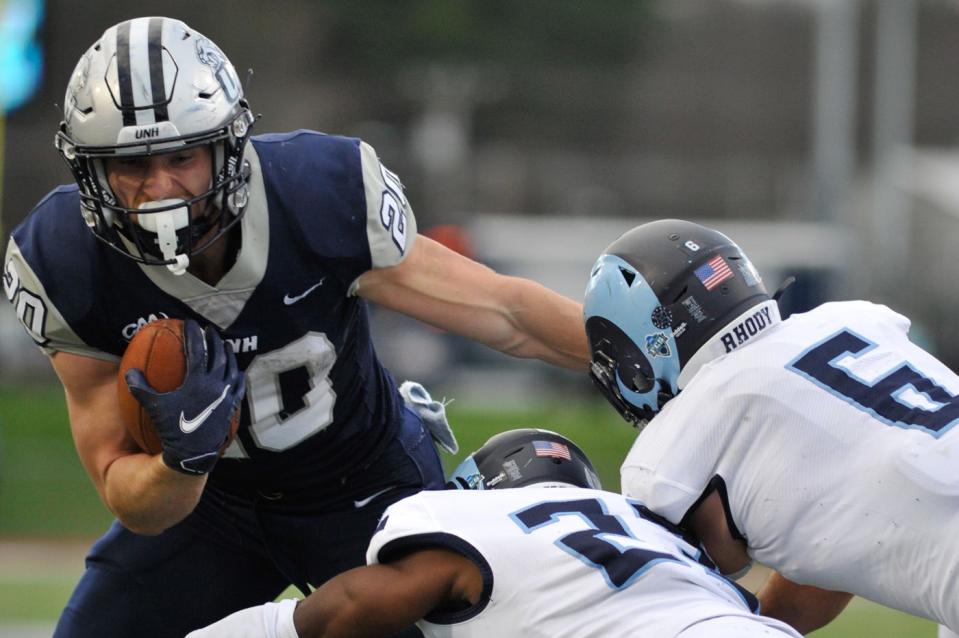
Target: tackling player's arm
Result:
[379, 600]
[513, 315]
[805, 607]
[708, 521]
[365, 602]
[141, 491]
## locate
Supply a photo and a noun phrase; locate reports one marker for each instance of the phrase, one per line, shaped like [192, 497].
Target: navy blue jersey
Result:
[322, 211]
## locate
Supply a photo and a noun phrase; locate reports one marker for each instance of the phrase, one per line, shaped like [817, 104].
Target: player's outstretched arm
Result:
[379, 600]
[805, 607]
[513, 315]
[365, 602]
[140, 490]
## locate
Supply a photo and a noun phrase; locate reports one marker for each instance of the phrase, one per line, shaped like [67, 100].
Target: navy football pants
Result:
[231, 553]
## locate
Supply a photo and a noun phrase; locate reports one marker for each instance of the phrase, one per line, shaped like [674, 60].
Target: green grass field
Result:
[47, 500]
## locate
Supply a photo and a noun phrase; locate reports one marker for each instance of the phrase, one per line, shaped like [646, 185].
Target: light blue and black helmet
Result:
[523, 457]
[655, 296]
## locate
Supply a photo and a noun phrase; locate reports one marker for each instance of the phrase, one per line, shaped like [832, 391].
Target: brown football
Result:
[159, 350]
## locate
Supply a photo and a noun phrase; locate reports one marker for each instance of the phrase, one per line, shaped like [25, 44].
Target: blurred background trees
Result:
[820, 133]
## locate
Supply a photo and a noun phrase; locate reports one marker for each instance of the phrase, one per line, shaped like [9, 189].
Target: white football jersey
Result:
[562, 562]
[834, 438]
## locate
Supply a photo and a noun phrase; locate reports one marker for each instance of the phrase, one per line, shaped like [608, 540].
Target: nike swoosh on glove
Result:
[193, 421]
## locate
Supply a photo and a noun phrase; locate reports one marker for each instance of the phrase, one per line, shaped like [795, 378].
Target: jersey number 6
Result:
[903, 397]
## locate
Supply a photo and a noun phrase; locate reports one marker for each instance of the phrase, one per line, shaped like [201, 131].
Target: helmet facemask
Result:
[223, 202]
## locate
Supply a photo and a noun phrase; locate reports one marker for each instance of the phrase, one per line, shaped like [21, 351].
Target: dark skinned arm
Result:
[365, 602]
[805, 607]
[378, 600]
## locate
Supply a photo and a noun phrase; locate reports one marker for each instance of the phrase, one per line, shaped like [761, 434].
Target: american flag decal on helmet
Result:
[551, 449]
[714, 272]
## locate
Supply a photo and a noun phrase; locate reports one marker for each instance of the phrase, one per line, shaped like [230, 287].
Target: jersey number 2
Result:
[30, 308]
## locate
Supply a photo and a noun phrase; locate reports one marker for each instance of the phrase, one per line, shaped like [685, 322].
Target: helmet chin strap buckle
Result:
[165, 224]
[182, 263]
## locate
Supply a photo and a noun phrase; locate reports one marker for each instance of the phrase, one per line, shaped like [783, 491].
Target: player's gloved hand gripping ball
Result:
[196, 420]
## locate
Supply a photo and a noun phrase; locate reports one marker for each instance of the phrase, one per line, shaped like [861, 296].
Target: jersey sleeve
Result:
[426, 519]
[36, 312]
[429, 520]
[672, 462]
[390, 225]
[332, 195]
[408, 519]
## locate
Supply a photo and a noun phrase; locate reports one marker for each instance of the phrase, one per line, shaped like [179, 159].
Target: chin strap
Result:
[165, 225]
[182, 263]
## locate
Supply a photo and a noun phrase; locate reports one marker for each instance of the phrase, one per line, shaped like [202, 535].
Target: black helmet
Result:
[655, 297]
[518, 458]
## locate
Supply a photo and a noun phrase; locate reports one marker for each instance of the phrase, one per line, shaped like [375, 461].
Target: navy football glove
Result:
[193, 421]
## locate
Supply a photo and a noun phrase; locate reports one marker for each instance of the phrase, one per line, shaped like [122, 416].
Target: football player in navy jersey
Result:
[490, 560]
[268, 246]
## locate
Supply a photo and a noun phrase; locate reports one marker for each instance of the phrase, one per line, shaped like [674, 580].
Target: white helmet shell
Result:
[147, 86]
[149, 81]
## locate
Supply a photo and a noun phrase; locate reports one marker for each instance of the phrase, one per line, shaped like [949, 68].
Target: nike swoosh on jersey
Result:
[366, 501]
[289, 301]
[189, 425]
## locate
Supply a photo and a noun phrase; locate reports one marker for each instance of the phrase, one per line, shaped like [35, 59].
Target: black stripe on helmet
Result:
[123, 75]
[157, 86]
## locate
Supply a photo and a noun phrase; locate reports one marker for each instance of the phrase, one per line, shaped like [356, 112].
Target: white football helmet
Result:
[148, 86]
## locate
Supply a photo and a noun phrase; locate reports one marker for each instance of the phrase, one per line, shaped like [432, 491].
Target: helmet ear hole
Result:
[629, 363]
[641, 382]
